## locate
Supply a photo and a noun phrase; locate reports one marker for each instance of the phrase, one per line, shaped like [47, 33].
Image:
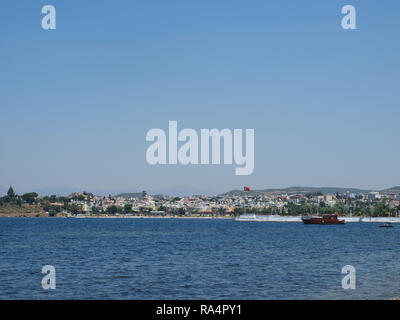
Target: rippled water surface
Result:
[195, 259]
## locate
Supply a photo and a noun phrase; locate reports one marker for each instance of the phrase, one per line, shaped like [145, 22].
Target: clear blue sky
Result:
[76, 102]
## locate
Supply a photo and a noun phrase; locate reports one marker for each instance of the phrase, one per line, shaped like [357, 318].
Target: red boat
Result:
[325, 219]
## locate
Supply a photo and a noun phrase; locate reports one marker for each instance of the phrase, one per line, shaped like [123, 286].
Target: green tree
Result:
[11, 193]
[52, 212]
[96, 210]
[114, 209]
[10, 197]
[18, 201]
[381, 209]
[75, 208]
[128, 208]
[339, 207]
[221, 210]
[30, 197]
[366, 211]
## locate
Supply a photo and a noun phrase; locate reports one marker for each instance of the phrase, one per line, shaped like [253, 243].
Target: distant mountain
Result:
[289, 190]
[128, 195]
[173, 192]
[393, 189]
[182, 191]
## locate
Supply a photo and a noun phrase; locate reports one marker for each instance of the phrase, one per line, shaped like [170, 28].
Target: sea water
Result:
[195, 259]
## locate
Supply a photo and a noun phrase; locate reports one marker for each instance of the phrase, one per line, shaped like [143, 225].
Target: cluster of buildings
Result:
[228, 204]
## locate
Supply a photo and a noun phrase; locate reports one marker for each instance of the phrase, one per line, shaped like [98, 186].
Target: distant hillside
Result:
[129, 195]
[183, 191]
[174, 191]
[304, 190]
[393, 189]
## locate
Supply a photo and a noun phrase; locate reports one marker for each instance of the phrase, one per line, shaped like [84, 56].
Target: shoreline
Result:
[286, 219]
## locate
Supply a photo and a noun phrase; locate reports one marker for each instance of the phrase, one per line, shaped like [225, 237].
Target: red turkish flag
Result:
[246, 188]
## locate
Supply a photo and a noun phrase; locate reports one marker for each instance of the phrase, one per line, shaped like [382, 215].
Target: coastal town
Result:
[284, 202]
